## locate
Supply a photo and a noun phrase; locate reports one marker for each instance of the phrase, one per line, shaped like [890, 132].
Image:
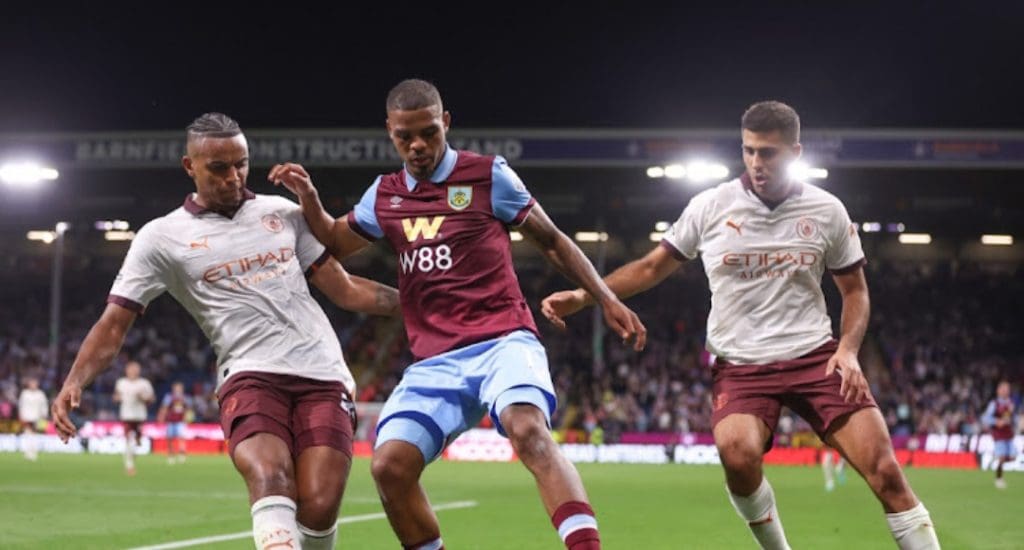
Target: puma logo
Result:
[200, 244]
[736, 226]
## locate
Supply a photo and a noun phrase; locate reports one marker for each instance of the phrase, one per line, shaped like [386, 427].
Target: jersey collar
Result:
[441, 173]
[192, 207]
[796, 189]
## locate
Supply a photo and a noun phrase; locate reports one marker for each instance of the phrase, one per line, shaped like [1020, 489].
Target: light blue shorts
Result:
[175, 430]
[442, 396]
[1004, 448]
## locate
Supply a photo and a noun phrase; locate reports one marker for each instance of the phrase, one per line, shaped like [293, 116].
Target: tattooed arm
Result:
[355, 293]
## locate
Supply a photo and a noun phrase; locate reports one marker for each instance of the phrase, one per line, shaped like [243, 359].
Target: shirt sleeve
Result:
[166, 401]
[363, 218]
[988, 418]
[510, 200]
[683, 238]
[308, 249]
[844, 250]
[143, 274]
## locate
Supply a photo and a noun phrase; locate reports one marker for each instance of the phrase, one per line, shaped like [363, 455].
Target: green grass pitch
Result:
[87, 502]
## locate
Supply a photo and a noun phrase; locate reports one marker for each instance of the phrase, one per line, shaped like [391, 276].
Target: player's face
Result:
[767, 156]
[178, 389]
[1003, 390]
[419, 138]
[132, 370]
[219, 166]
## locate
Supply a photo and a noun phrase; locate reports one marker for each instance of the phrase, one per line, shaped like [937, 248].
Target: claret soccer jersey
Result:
[455, 274]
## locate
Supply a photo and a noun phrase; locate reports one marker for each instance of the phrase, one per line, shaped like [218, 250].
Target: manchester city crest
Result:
[460, 196]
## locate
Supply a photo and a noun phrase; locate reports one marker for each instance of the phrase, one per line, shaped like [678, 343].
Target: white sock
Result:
[913, 529]
[317, 540]
[30, 445]
[129, 453]
[762, 517]
[273, 523]
[827, 467]
[435, 544]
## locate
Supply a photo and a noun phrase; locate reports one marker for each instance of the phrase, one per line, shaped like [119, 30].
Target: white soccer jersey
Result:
[764, 267]
[133, 395]
[32, 406]
[243, 280]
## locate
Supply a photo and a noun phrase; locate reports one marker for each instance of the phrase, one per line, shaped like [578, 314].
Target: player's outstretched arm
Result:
[355, 293]
[98, 350]
[853, 288]
[631, 279]
[334, 234]
[563, 253]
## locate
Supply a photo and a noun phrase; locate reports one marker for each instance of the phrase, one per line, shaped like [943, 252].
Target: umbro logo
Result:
[737, 226]
[205, 243]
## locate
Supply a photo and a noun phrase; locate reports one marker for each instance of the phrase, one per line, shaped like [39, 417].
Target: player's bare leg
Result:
[863, 440]
[1000, 482]
[396, 468]
[265, 463]
[130, 440]
[320, 476]
[741, 441]
[560, 486]
[172, 445]
[30, 447]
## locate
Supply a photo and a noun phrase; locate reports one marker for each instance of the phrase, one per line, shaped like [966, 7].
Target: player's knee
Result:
[740, 456]
[391, 470]
[529, 437]
[269, 478]
[318, 511]
[887, 477]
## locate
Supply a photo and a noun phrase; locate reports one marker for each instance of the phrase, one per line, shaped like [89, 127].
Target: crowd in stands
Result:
[941, 336]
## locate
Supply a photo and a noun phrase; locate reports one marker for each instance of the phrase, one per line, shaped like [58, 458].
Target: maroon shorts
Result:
[132, 426]
[301, 411]
[800, 384]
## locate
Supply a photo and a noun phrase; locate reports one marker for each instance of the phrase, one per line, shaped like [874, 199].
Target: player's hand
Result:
[294, 177]
[556, 307]
[854, 387]
[70, 397]
[625, 323]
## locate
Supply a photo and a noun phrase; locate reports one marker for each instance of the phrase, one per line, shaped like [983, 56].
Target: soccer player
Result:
[32, 407]
[999, 418]
[134, 393]
[765, 241]
[175, 410]
[239, 263]
[446, 214]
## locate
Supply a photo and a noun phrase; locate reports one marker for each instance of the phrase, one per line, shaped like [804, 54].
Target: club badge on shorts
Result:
[459, 196]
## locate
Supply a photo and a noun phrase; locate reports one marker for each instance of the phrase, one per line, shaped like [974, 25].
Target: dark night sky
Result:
[511, 65]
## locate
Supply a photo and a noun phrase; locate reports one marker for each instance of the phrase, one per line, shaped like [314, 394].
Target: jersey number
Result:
[426, 258]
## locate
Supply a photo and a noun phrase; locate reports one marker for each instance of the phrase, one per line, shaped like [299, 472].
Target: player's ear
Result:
[798, 150]
[446, 117]
[186, 163]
